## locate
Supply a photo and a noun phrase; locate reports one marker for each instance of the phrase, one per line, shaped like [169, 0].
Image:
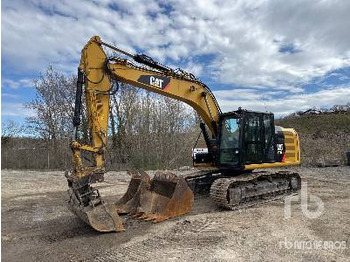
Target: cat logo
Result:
[156, 81]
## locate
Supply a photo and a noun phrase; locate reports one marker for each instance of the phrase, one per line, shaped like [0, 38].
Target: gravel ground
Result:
[37, 226]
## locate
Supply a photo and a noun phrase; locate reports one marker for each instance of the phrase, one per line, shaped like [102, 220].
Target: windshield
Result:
[229, 141]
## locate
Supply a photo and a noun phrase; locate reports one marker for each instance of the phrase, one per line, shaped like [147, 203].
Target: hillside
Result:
[325, 137]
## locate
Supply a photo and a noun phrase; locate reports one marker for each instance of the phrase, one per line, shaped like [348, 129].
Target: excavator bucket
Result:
[139, 185]
[102, 217]
[168, 196]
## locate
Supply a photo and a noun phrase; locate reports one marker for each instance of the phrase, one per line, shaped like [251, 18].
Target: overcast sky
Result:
[279, 56]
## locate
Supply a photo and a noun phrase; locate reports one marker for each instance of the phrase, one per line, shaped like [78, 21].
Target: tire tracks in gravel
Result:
[169, 242]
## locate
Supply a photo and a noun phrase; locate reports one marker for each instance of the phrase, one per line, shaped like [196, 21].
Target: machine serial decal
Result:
[153, 80]
[279, 149]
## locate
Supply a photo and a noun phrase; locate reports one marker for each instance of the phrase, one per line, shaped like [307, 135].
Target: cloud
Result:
[230, 100]
[15, 110]
[7, 95]
[254, 42]
[15, 84]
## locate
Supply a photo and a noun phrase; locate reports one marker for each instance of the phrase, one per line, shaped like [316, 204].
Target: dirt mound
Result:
[325, 137]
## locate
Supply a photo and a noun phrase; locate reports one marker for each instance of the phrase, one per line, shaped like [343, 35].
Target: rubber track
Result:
[219, 190]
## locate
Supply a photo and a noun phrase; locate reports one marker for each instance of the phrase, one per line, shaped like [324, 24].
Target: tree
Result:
[53, 105]
[152, 131]
[54, 108]
[11, 129]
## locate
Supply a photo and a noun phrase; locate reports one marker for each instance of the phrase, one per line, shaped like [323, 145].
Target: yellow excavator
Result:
[237, 143]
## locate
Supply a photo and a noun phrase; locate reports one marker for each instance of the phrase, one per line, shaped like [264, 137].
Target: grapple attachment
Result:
[168, 196]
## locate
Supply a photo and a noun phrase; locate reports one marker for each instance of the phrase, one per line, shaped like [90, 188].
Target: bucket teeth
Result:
[137, 215]
[143, 216]
[148, 218]
[159, 219]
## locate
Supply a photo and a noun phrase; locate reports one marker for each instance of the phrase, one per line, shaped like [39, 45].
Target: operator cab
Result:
[246, 137]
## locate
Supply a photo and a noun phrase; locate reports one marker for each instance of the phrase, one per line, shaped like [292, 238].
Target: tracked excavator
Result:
[235, 168]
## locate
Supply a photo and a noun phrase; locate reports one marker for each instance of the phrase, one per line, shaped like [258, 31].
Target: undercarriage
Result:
[245, 189]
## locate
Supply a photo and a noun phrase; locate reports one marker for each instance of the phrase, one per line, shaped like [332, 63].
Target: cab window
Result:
[229, 142]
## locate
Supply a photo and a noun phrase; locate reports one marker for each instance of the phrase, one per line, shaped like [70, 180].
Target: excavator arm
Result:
[170, 195]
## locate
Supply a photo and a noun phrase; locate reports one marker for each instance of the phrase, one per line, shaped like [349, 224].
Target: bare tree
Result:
[12, 129]
[54, 107]
[153, 131]
[53, 104]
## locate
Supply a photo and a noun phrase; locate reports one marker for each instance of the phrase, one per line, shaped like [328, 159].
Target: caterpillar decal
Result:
[160, 82]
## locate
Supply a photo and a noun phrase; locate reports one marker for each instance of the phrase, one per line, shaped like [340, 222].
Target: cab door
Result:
[253, 138]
